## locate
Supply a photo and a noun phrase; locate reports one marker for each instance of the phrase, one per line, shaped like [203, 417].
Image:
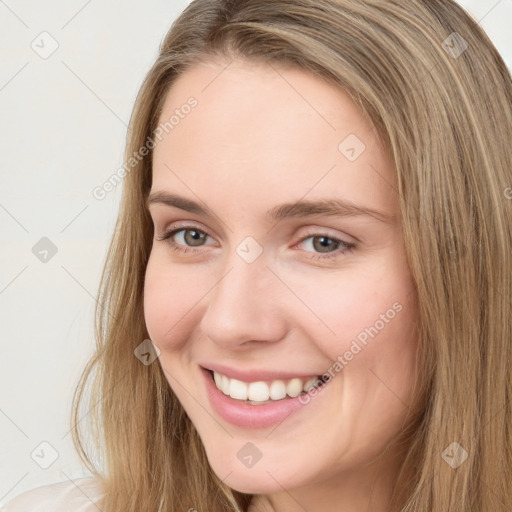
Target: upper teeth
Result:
[262, 391]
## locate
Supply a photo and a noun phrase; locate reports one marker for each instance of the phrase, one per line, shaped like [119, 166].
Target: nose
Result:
[245, 306]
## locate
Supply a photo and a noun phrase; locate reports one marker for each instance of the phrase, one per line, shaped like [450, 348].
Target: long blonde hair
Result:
[440, 98]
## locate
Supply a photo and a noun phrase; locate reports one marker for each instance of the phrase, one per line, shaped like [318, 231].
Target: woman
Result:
[306, 302]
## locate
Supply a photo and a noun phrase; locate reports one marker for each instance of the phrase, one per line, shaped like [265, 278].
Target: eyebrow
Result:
[301, 208]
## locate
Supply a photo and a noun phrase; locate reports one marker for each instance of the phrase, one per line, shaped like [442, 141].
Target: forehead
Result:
[259, 130]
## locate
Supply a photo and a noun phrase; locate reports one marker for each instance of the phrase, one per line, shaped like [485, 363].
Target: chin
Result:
[262, 478]
[245, 482]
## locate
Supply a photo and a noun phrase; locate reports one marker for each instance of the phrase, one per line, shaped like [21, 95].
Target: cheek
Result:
[345, 306]
[171, 299]
[363, 321]
[358, 314]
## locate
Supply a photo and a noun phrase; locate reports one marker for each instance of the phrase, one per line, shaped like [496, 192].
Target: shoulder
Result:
[77, 495]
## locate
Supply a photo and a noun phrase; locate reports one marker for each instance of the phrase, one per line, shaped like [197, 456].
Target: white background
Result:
[62, 130]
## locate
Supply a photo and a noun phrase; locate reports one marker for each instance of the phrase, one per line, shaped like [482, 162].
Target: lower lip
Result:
[246, 415]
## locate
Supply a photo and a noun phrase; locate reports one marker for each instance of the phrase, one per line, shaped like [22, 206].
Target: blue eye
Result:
[196, 235]
[327, 247]
[328, 242]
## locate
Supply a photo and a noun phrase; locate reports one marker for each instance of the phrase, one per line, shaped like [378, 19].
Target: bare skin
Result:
[260, 137]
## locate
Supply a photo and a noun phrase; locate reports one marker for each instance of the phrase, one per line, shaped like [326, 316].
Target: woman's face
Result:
[263, 292]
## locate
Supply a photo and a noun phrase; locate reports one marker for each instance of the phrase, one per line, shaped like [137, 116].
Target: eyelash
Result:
[348, 246]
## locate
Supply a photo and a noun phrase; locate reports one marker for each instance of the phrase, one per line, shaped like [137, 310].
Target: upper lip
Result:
[255, 375]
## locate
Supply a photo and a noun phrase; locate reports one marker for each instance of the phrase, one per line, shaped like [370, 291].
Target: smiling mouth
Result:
[265, 392]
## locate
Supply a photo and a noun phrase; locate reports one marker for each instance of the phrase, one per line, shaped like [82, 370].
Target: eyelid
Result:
[328, 232]
[310, 231]
[185, 225]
